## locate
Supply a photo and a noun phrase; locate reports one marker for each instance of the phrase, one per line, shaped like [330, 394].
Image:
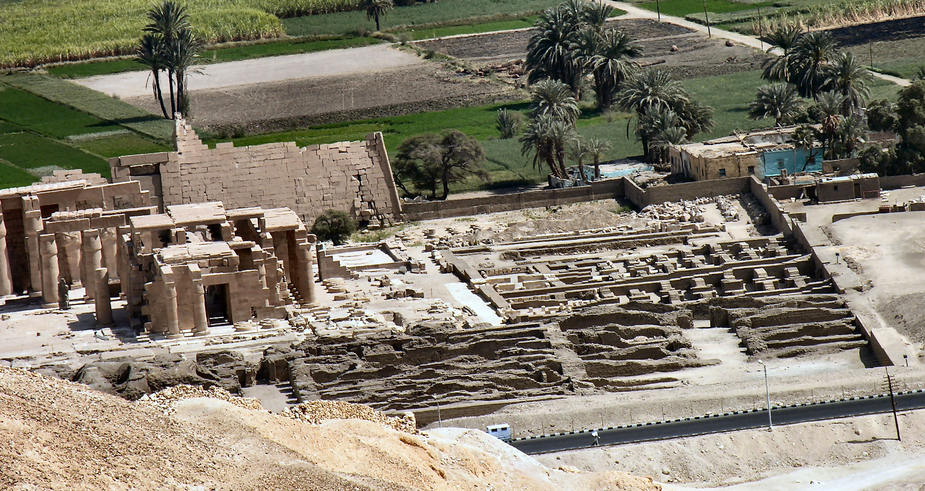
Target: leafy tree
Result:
[847, 77]
[546, 138]
[509, 123]
[611, 64]
[779, 101]
[334, 225]
[919, 73]
[553, 98]
[911, 125]
[882, 115]
[596, 149]
[376, 9]
[431, 160]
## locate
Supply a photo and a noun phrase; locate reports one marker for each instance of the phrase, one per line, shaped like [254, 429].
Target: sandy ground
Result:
[849, 454]
[335, 62]
[893, 261]
[59, 435]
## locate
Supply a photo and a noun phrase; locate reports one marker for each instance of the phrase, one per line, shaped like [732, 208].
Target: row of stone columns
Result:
[96, 276]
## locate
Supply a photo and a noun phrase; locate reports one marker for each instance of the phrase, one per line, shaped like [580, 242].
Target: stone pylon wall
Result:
[354, 177]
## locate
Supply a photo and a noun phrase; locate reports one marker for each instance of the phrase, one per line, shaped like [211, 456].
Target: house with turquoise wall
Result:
[789, 161]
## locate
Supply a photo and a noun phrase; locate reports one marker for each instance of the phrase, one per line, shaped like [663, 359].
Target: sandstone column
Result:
[48, 251]
[32, 224]
[170, 305]
[200, 318]
[6, 278]
[92, 258]
[101, 300]
[110, 246]
[306, 275]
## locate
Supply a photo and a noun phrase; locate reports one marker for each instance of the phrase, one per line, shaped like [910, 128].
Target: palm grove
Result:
[169, 46]
[573, 55]
[825, 91]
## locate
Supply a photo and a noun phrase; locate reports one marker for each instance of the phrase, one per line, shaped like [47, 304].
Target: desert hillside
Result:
[57, 434]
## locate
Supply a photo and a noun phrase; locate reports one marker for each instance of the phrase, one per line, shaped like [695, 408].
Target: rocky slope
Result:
[56, 434]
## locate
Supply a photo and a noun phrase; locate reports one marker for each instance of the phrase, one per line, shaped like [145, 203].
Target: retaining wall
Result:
[428, 210]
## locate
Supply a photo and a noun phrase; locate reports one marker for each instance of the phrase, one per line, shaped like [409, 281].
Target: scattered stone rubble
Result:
[167, 399]
[316, 412]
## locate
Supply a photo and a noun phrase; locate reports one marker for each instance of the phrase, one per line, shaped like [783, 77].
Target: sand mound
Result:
[57, 434]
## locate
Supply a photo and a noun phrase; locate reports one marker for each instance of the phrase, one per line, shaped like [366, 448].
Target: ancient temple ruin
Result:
[354, 177]
[199, 265]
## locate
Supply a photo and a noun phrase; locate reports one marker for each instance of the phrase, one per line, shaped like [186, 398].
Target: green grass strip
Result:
[93, 102]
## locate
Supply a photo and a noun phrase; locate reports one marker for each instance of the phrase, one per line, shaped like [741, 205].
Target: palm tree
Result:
[377, 8]
[181, 56]
[149, 52]
[596, 14]
[546, 138]
[812, 54]
[555, 99]
[829, 109]
[783, 38]
[168, 20]
[612, 64]
[596, 149]
[578, 150]
[660, 128]
[550, 53]
[847, 77]
[779, 101]
[804, 138]
[649, 91]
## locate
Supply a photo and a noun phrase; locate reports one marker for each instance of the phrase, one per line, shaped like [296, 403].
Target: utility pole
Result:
[889, 383]
[767, 393]
[707, 17]
[760, 30]
[658, 10]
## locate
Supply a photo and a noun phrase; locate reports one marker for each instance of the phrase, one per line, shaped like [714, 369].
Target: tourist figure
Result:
[597, 438]
[63, 291]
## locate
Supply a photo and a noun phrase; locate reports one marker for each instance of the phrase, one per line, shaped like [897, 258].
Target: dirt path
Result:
[336, 62]
[633, 11]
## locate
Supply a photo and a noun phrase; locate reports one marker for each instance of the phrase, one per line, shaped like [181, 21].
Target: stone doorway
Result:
[217, 307]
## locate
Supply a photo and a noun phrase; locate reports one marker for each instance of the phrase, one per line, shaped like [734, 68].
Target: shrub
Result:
[335, 226]
[509, 123]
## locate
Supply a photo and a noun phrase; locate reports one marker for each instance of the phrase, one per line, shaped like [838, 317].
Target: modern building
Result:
[765, 153]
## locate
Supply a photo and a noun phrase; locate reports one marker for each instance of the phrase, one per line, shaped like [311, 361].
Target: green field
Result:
[505, 164]
[681, 8]
[38, 136]
[46, 31]
[431, 14]
[92, 102]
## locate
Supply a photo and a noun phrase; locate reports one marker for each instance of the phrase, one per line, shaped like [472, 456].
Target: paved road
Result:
[260, 70]
[720, 423]
[633, 11]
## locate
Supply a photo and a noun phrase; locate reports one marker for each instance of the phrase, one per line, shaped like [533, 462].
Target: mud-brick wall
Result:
[697, 189]
[896, 182]
[428, 210]
[354, 177]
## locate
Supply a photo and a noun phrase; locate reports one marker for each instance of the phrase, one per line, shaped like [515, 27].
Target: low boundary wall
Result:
[896, 182]
[429, 210]
[619, 188]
